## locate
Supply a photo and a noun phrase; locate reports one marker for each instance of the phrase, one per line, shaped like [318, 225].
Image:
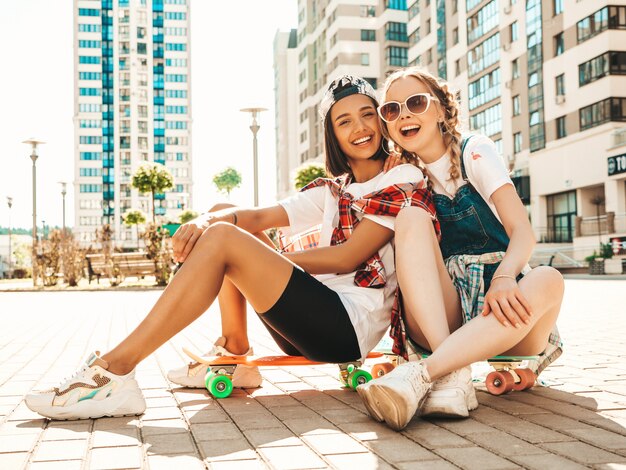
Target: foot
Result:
[192, 375]
[92, 392]
[396, 397]
[452, 396]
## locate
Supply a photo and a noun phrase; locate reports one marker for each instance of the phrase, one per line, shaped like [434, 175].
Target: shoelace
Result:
[65, 382]
[449, 378]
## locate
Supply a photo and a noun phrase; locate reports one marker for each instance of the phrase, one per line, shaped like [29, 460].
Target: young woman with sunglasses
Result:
[330, 304]
[465, 298]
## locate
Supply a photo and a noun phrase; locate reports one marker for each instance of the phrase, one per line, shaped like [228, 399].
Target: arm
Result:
[366, 240]
[251, 220]
[504, 298]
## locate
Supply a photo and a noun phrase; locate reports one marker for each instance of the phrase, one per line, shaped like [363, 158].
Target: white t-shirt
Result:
[369, 309]
[484, 166]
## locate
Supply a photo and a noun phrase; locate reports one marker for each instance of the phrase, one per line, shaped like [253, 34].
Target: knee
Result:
[552, 279]
[217, 235]
[220, 206]
[410, 219]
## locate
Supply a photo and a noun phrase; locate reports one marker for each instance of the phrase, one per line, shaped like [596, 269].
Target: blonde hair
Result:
[450, 126]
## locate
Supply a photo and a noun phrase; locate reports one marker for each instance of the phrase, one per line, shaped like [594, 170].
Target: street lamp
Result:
[255, 128]
[33, 156]
[10, 204]
[63, 193]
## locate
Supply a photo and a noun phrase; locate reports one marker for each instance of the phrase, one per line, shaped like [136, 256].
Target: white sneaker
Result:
[452, 396]
[396, 396]
[192, 375]
[92, 392]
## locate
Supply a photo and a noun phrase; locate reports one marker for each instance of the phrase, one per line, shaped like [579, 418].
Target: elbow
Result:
[346, 265]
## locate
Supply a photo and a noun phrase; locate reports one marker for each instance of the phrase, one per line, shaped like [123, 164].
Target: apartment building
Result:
[334, 37]
[132, 104]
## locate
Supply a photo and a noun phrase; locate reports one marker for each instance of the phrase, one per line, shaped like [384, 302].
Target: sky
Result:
[231, 68]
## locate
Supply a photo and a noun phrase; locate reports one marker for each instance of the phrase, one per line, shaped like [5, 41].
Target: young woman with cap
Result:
[330, 304]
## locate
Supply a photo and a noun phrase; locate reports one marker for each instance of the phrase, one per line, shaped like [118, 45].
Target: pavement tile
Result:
[600, 438]
[315, 425]
[206, 416]
[399, 449]
[272, 437]
[18, 443]
[168, 462]
[61, 450]
[438, 464]
[57, 465]
[363, 461]
[333, 444]
[168, 412]
[582, 453]
[164, 444]
[116, 438]
[546, 460]
[227, 449]
[67, 430]
[215, 431]
[295, 457]
[531, 432]
[432, 436]
[14, 460]
[504, 444]
[164, 426]
[11, 428]
[463, 427]
[116, 458]
[255, 464]
[471, 458]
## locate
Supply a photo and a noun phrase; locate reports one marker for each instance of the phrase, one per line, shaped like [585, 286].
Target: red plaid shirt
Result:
[387, 201]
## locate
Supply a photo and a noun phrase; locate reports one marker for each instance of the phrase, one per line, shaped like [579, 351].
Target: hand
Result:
[505, 300]
[392, 161]
[185, 239]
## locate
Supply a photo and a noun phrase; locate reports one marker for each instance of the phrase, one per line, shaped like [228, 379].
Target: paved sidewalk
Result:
[301, 417]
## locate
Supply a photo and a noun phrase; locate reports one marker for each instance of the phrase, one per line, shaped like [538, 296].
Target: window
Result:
[396, 4]
[560, 127]
[516, 106]
[455, 6]
[484, 55]
[606, 18]
[366, 35]
[609, 63]
[396, 32]
[560, 84]
[514, 31]
[483, 21]
[88, 12]
[88, 59]
[365, 59]
[428, 26]
[457, 67]
[515, 72]
[414, 37]
[610, 109]
[429, 56]
[485, 89]
[414, 10]
[488, 122]
[397, 56]
[558, 7]
[367, 11]
[517, 142]
[455, 36]
[561, 210]
[559, 45]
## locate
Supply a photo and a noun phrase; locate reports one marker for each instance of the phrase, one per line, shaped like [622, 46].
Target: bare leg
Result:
[233, 306]
[484, 337]
[431, 302]
[223, 250]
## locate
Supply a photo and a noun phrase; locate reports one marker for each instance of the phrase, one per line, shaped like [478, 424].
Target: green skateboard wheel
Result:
[358, 377]
[220, 386]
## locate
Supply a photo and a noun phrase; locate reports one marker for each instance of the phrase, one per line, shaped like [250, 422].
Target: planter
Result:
[596, 266]
[613, 266]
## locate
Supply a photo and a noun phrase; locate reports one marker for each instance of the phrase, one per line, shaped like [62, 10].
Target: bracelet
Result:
[234, 218]
[508, 276]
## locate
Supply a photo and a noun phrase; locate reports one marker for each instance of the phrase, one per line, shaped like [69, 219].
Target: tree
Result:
[187, 215]
[307, 173]
[227, 180]
[152, 178]
[135, 218]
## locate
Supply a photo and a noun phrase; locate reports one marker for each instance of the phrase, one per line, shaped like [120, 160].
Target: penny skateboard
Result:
[220, 369]
[510, 372]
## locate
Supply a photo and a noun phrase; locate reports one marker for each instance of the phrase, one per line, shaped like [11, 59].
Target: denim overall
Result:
[468, 225]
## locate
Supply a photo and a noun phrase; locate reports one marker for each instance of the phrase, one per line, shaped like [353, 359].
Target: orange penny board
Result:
[260, 361]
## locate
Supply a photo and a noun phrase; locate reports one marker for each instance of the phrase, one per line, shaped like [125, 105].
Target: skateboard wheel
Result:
[499, 382]
[350, 368]
[527, 379]
[358, 377]
[220, 386]
[378, 370]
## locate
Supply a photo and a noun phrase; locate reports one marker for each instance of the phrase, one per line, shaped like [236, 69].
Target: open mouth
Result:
[410, 131]
[363, 141]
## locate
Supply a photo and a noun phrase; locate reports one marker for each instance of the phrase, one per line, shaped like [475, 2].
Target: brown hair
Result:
[450, 126]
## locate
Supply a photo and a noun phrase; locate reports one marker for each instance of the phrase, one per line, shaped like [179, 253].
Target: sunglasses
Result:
[416, 104]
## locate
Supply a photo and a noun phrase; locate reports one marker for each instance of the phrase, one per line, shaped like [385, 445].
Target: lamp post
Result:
[10, 204]
[63, 193]
[255, 128]
[33, 156]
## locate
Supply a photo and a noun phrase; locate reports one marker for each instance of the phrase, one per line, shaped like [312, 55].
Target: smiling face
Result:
[420, 133]
[356, 127]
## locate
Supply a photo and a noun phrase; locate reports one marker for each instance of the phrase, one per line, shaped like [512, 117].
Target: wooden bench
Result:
[119, 267]
[96, 266]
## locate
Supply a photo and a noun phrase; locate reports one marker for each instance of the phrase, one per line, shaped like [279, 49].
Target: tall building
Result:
[547, 84]
[132, 104]
[334, 37]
